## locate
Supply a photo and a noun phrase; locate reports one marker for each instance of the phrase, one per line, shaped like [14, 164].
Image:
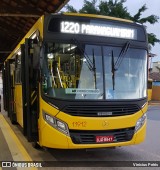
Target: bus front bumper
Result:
[51, 138]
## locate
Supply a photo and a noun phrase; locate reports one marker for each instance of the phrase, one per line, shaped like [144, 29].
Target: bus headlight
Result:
[140, 122]
[56, 123]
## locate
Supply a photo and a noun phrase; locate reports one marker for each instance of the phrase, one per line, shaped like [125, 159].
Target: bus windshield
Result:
[96, 72]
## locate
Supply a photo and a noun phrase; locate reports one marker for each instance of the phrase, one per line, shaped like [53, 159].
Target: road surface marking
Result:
[17, 150]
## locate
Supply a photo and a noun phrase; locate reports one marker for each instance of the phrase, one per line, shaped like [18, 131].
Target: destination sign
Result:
[97, 29]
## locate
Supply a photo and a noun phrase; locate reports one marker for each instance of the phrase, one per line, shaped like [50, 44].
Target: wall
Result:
[155, 65]
[156, 93]
[156, 83]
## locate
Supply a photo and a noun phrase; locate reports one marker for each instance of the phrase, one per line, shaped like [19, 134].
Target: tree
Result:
[152, 19]
[89, 7]
[116, 8]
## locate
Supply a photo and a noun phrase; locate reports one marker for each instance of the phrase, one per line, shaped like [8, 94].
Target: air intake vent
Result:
[101, 110]
[89, 137]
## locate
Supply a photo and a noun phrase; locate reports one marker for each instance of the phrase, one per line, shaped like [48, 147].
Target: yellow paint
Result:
[33, 93]
[149, 91]
[19, 104]
[17, 150]
[98, 16]
[52, 138]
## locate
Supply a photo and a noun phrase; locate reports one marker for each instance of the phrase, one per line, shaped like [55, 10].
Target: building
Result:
[155, 76]
[156, 67]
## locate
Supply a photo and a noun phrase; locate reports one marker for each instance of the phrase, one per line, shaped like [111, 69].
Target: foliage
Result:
[89, 7]
[152, 39]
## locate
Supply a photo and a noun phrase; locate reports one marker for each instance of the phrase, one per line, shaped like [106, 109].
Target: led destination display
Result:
[93, 27]
[97, 29]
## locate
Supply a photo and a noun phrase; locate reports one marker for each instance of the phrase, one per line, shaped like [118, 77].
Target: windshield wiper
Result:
[121, 55]
[94, 69]
[116, 65]
[113, 70]
[91, 65]
[88, 60]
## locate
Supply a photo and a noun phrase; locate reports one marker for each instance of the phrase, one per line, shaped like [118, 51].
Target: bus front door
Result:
[29, 92]
[9, 89]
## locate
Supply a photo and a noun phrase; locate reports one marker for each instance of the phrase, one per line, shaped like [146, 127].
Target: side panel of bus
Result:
[21, 94]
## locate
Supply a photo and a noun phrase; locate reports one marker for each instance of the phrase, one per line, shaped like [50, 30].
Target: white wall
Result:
[155, 65]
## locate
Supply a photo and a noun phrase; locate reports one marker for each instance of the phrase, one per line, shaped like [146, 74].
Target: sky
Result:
[133, 6]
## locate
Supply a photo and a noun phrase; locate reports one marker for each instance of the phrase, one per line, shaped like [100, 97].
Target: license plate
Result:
[104, 139]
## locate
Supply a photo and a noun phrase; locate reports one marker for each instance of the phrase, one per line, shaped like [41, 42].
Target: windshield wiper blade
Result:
[94, 69]
[121, 55]
[88, 60]
[113, 71]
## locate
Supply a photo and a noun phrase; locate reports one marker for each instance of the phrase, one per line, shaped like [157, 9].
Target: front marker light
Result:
[56, 123]
[140, 122]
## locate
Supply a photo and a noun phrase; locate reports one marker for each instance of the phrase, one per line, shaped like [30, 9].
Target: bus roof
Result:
[98, 16]
[37, 24]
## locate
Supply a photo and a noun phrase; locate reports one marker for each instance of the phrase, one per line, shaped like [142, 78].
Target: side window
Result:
[18, 69]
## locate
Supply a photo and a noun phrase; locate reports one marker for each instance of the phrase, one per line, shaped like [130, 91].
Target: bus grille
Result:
[101, 110]
[89, 137]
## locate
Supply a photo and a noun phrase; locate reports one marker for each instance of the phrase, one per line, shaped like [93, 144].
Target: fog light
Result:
[140, 122]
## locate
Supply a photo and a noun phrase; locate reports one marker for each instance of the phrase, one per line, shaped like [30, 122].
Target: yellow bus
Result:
[149, 89]
[79, 81]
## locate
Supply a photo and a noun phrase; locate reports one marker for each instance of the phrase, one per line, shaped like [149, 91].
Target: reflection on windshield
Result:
[67, 73]
[129, 80]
